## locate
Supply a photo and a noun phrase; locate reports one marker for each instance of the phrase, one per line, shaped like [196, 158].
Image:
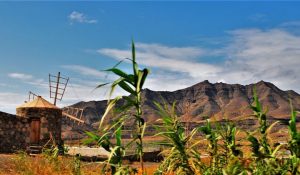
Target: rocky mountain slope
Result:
[208, 100]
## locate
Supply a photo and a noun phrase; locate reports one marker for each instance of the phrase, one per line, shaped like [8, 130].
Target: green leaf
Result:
[92, 137]
[145, 74]
[130, 101]
[276, 150]
[271, 126]
[110, 105]
[129, 78]
[134, 64]
[119, 136]
[113, 86]
[256, 101]
[139, 79]
[143, 131]
[116, 65]
[126, 87]
[254, 144]
[101, 85]
[114, 153]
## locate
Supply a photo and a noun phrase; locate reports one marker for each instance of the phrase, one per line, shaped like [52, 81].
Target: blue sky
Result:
[181, 42]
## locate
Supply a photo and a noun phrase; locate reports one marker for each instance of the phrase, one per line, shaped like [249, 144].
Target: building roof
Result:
[39, 102]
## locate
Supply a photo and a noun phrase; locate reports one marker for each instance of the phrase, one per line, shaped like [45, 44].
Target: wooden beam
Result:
[56, 90]
[72, 117]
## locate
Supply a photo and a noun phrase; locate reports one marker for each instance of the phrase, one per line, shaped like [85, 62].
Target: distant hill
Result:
[206, 100]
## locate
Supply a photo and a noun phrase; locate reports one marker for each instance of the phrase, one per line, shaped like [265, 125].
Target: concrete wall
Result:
[14, 133]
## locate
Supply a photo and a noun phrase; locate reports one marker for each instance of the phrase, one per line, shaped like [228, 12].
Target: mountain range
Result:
[207, 100]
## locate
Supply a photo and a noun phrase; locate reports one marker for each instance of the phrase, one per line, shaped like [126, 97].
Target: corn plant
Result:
[294, 144]
[231, 155]
[116, 155]
[181, 155]
[133, 84]
[228, 132]
[117, 151]
[215, 165]
[264, 154]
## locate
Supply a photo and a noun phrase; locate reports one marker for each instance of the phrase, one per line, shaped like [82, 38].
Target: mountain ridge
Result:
[205, 100]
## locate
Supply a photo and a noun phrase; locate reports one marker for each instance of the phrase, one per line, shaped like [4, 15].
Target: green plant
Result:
[232, 155]
[234, 167]
[215, 165]
[294, 144]
[117, 151]
[264, 154]
[181, 157]
[76, 165]
[133, 84]
[51, 154]
[228, 132]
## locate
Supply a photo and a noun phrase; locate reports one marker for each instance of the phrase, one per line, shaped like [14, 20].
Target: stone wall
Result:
[51, 120]
[14, 133]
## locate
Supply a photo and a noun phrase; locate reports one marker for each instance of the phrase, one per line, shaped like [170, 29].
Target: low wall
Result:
[14, 133]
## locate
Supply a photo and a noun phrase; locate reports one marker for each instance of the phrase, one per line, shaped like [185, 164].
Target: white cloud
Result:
[271, 55]
[171, 52]
[29, 79]
[20, 76]
[168, 83]
[290, 24]
[80, 18]
[85, 70]
[178, 59]
[9, 101]
[251, 55]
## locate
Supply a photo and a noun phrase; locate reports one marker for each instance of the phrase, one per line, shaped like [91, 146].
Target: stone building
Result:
[36, 123]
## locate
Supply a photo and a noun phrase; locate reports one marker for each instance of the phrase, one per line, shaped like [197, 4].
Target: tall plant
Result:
[181, 155]
[262, 151]
[212, 137]
[133, 84]
[231, 152]
[294, 144]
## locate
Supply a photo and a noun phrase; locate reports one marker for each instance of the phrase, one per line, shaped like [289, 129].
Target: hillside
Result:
[205, 99]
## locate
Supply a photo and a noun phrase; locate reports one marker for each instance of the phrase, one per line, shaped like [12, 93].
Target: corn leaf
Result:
[108, 108]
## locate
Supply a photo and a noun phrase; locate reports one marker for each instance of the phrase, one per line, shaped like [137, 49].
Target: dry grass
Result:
[25, 165]
[19, 164]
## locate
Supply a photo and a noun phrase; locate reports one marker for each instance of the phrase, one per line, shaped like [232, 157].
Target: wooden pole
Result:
[56, 90]
[50, 86]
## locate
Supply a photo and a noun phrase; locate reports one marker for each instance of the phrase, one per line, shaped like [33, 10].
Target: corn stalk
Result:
[181, 155]
[133, 84]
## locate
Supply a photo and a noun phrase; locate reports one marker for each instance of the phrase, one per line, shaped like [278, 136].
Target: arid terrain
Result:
[195, 104]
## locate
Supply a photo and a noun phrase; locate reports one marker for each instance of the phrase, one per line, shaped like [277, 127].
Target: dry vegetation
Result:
[22, 164]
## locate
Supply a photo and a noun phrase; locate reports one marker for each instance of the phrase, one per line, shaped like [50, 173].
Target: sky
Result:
[183, 43]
